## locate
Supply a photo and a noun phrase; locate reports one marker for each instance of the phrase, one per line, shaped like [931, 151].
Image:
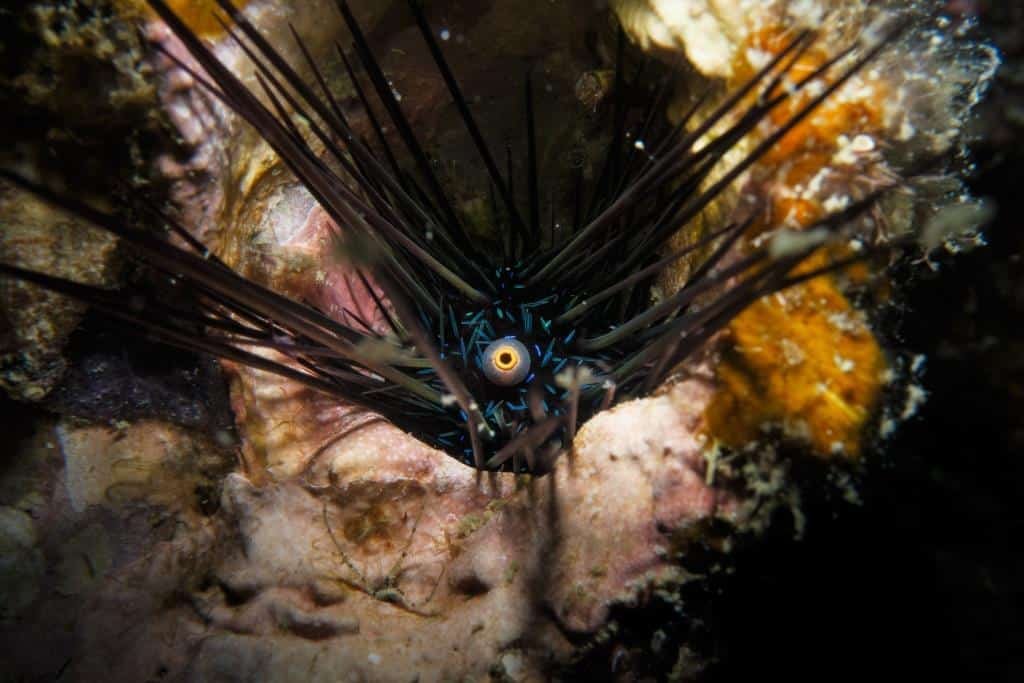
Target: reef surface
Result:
[304, 539]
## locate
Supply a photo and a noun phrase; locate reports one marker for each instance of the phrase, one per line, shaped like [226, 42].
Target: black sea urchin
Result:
[495, 351]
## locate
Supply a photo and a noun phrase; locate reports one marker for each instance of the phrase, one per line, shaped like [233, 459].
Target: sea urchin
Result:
[495, 348]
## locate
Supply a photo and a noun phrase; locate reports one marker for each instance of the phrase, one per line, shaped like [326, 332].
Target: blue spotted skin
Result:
[528, 318]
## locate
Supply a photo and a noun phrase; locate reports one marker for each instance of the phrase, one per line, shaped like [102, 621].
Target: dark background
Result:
[925, 580]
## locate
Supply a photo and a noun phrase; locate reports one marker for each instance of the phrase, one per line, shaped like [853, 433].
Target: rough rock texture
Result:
[38, 237]
[78, 109]
[404, 561]
[381, 557]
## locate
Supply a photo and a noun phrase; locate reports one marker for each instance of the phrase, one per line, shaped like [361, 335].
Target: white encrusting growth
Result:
[707, 30]
[957, 220]
[845, 365]
[851, 151]
[787, 242]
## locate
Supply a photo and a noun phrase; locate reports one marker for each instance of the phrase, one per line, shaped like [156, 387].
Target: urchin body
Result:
[495, 349]
[575, 307]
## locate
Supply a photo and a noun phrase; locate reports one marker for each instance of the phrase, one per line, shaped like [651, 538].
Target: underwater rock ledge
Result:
[327, 542]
